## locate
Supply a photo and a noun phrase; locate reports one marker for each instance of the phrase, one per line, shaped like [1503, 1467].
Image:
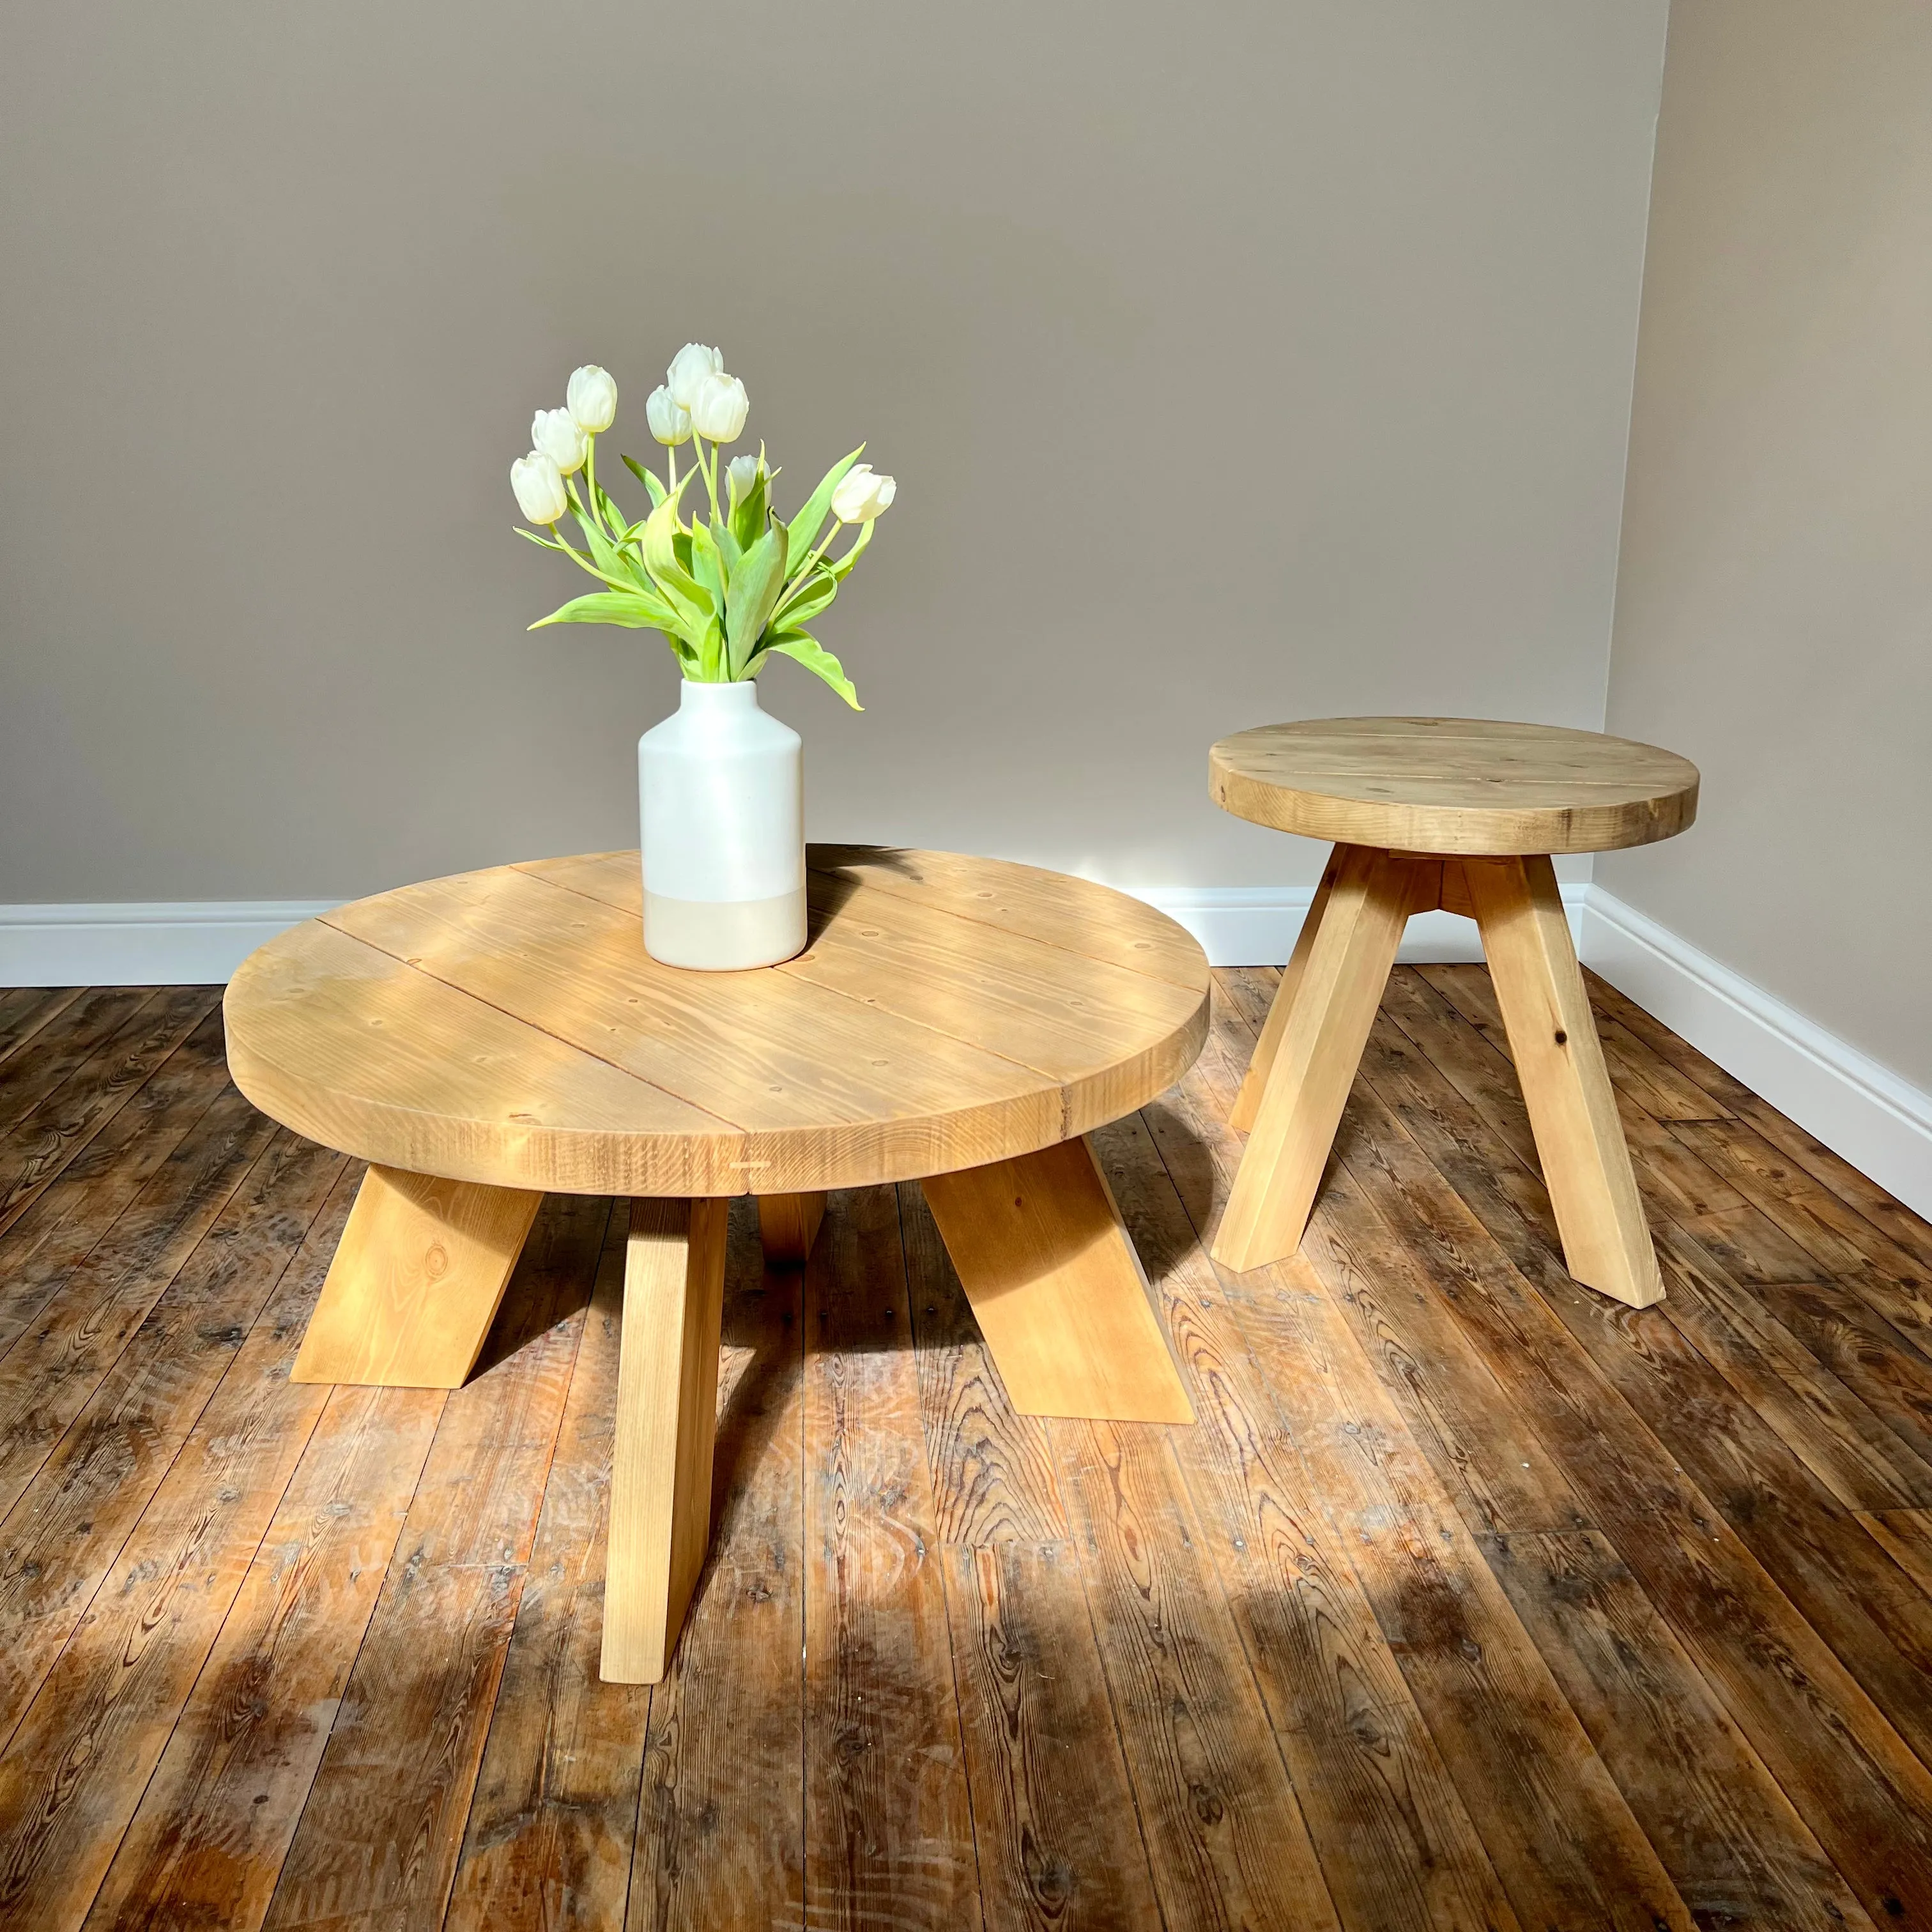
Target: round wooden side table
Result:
[483, 1039]
[1461, 813]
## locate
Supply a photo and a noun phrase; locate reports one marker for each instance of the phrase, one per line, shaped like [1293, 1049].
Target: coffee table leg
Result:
[1371, 895]
[788, 1226]
[415, 1282]
[1559, 1063]
[667, 1415]
[1059, 1292]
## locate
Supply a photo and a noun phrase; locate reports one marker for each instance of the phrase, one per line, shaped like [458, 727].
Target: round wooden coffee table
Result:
[1461, 813]
[481, 1040]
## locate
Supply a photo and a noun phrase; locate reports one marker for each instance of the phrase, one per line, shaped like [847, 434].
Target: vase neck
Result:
[717, 699]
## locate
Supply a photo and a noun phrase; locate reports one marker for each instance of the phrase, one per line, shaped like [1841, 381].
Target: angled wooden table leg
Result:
[667, 1417]
[416, 1281]
[788, 1226]
[1559, 1063]
[1371, 894]
[1057, 1288]
[1254, 1082]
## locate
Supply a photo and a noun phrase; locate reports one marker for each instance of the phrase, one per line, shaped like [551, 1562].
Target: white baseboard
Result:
[1878, 1121]
[171, 943]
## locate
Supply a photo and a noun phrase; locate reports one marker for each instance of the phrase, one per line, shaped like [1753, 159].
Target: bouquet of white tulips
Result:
[727, 594]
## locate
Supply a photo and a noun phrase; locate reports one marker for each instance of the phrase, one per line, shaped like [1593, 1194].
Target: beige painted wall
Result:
[1775, 602]
[1238, 362]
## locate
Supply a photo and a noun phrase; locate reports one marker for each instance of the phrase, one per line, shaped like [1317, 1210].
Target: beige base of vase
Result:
[724, 936]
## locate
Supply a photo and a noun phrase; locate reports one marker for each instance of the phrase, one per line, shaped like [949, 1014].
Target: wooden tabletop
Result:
[1453, 784]
[507, 1026]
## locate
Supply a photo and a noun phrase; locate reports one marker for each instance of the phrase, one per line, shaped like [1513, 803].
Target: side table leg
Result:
[1559, 1063]
[667, 1416]
[1254, 1082]
[1058, 1290]
[788, 1226]
[416, 1281]
[1370, 896]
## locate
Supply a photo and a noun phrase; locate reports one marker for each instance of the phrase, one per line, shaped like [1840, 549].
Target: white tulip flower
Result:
[719, 408]
[539, 484]
[561, 438]
[861, 496]
[592, 399]
[689, 368]
[669, 424]
[742, 472]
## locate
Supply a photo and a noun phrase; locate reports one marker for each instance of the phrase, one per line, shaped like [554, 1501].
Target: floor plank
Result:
[25, 1011]
[721, 1821]
[89, 1487]
[550, 1830]
[379, 1836]
[1396, 1844]
[48, 1242]
[1853, 1780]
[77, 1765]
[888, 1823]
[1226, 1833]
[991, 1468]
[35, 1153]
[1470, 1601]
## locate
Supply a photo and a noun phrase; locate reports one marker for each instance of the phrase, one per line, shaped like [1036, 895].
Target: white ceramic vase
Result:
[720, 787]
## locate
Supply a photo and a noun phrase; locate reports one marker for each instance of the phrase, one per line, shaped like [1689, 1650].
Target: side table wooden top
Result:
[507, 1027]
[1464, 785]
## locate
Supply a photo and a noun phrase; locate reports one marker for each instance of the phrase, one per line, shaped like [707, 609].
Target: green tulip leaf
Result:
[707, 566]
[754, 591]
[841, 567]
[624, 607]
[650, 478]
[810, 519]
[806, 602]
[667, 557]
[803, 646]
[619, 523]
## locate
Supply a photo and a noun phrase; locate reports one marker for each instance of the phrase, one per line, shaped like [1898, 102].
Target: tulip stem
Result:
[590, 482]
[710, 473]
[670, 457]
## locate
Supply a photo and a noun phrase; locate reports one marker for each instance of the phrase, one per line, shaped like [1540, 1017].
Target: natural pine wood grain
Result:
[1456, 1559]
[1453, 784]
[1396, 1841]
[1057, 1288]
[991, 1467]
[380, 1835]
[1335, 1000]
[36, 1151]
[667, 1410]
[417, 1279]
[1566, 1087]
[75, 1768]
[548, 1838]
[720, 1818]
[888, 1823]
[1054, 1815]
[788, 1224]
[507, 1027]
[207, 1841]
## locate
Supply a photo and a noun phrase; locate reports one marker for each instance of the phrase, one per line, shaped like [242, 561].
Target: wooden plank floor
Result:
[1473, 1599]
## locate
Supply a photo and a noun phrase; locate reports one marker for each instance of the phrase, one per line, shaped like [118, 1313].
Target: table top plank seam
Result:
[725, 1124]
[1063, 1089]
[1066, 1087]
[532, 868]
